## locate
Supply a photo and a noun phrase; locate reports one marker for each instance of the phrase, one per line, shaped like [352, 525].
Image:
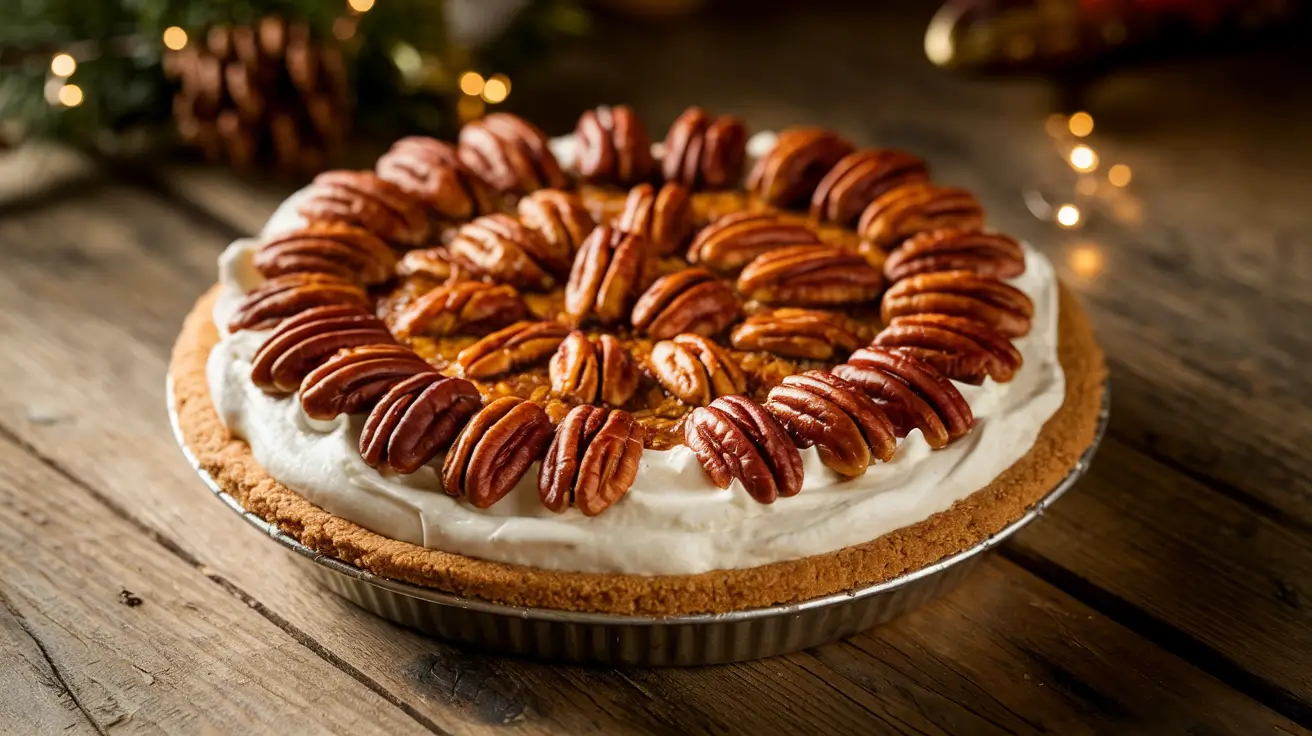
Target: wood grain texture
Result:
[34, 694]
[95, 344]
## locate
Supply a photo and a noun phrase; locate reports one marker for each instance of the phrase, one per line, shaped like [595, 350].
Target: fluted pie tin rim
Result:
[617, 639]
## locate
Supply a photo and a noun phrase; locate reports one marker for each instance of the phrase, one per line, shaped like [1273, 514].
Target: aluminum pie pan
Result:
[649, 641]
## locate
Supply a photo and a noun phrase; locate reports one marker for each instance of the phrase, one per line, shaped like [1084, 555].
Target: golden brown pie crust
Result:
[1065, 436]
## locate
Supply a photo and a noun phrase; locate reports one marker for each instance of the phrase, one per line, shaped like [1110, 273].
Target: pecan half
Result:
[811, 275]
[416, 419]
[509, 153]
[285, 296]
[664, 218]
[913, 394]
[915, 208]
[846, 427]
[787, 175]
[434, 263]
[797, 333]
[335, 248]
[362, 198]
[991, 255]
[960, 348]
[517, 346]
[732, 241]
[696, 370]
[430, 171]
[735, 438]
[306, 341]
[495, 449]
[701, 153]
[859, 179]
[590, 372]
[503, 248]
[353, 380]
[691, 300]
[613, 147]
[604, 279]
[985, 300]
[559, 217]
[592, 460]
[463, 306]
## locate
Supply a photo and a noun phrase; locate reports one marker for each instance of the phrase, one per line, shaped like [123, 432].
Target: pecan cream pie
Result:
[597, 374]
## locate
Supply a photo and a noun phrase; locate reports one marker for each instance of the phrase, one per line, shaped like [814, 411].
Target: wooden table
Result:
[1170, 592]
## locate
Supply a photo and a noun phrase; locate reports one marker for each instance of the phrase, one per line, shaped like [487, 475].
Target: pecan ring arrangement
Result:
[488, 310]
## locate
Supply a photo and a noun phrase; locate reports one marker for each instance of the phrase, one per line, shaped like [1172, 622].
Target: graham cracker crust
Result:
[1061, 442]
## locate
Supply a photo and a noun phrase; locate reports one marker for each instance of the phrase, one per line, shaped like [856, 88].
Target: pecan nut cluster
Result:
[495, 450]
[430, 171]
[860, 178]
[809, 334]
[696, 370]
[913, 394]
[287, 296]
[518, 346]
[846, 427]
[990, 255]
[1002, 307]
[334, 248]
[663, 218]
[593, 371]
[613, 147]
[510, 154]
[789, 173]
[703, 152]
[733, 241]
[735, 438]
[606, 275]
[354, 379]
[915, 208]
[415, 420]
[363, 199]
[462, 306]
[811, 275]
[958, 347]
[503, 248]
[592, 461]
[691, 300]
[434, 264]
[559, 217]
[307, 340]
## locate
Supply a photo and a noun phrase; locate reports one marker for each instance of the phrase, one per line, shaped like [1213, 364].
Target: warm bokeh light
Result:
[1086, 260]
[496, 89]
[1086, 186]
[70, 95]
[1055, 125]
[1080, 124]
[470, 108]
[471, 83]
[344, 28]
[1119, 175]
[175, 38]
[360, 6]
[1083, 158]
[63, 65]
[1068, 215]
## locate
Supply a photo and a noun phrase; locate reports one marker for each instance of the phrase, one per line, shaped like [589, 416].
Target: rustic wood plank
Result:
[37, 171]
[176, 652]
[34, 695]
[92, 312]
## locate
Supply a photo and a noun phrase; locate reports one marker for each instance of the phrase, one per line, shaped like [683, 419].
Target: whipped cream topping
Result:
[673, 520]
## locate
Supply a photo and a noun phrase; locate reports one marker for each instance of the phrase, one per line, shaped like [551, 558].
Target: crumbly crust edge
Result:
[229, 461]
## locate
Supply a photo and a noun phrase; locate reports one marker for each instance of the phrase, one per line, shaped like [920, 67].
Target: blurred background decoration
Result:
[274, 83]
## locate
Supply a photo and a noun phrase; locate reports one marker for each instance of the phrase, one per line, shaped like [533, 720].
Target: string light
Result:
[1068, 216]
[1055, 125]
[496, 89]
[1086, 261]
[471, 83]
[1119, 175]
[1083, 158]
[1080, 124]
[174, 38]
[70, 95]
[63, 65]
[360, 6]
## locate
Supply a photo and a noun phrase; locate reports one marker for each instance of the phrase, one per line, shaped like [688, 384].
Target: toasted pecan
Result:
[992, 255]
[495, 450]
[960, 348]
[732, 241]
[462, 306]
[517, 346]
[913, 393]
[612, 147]
[846, 426]
[354, 379]
[986, 300]
[605, 277]
[306, 341]
[860, 178]
[813, 275]
[510, 154]
[592, 461]
[787, 175]
[416, 419]
[593, 371]
[695, 370]
[691, 300]
[431, 171]
[704, 153]
[735, 438]
[809, 334]
[503, 248]
[663, 218]
[362, 198]
[286, 296]
[335, 248]
[915, 208]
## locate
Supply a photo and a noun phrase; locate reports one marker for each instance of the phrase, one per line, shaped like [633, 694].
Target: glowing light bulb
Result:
[1080, 124]
[1083, 158]
[1119, 175]
[70, 95]
[1068, 215]
[360, 6]
[175, 39]
[63, 65]
[496, 89]
[471, 83]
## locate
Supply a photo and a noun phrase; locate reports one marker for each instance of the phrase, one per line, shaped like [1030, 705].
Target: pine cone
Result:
[262, 94]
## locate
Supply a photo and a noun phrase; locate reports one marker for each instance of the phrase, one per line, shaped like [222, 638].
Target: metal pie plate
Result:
[615, 639]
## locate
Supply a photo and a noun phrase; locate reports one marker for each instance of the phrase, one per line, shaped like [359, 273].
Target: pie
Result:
[595, 374]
